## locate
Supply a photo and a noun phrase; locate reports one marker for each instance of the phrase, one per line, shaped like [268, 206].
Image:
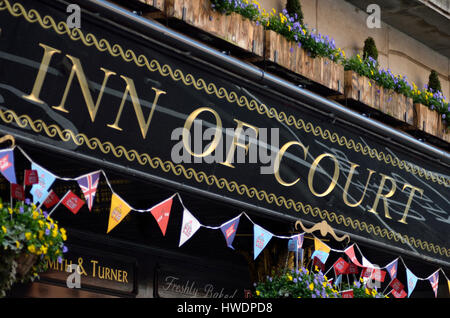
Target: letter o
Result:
[188, 125]
[312, 171]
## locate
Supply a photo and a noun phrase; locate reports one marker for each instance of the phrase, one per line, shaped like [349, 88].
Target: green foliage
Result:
[434, 84]
[370, 49]
[294, 9]
[25, 230]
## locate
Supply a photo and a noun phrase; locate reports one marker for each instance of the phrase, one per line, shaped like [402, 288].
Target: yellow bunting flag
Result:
[321, 246]
[119, 210]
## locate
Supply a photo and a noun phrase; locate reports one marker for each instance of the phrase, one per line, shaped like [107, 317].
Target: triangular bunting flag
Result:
[322, 251]
[7, 165]
[189, 226]
[295, 243]
[392, 268]
[412, 281]
[88, 184]
[261, 238]
[161, 213]
[46, 179]
[350, 252]
[229, 231]
[119, 210]
[434, 281]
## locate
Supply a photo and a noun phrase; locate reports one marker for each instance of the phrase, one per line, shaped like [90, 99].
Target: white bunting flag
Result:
[189, 226]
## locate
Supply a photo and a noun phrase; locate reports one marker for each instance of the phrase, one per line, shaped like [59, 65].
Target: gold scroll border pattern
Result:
[116, 50]
[8, 116]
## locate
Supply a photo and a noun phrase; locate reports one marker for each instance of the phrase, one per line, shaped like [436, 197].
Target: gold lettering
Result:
[384, 196]
[349, 181]
[94, 263]
[107, 273]
[278, 162]
[408, 204]
[312, 171]
[236, 143]
[187, 128]
[119, 275]
[101, 270]
[125, 277]
[77, 69]
[37, 87]
[131, 90]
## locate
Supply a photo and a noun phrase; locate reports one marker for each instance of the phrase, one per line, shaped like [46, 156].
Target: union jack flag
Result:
[88, 184]
[434, 281]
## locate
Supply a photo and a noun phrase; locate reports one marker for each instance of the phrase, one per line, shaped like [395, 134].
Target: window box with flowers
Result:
[299, 51]
[28, 237]
[379, 89]
[231, 21]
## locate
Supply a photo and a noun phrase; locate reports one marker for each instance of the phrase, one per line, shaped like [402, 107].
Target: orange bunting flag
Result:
[161, 213]
[119, 210]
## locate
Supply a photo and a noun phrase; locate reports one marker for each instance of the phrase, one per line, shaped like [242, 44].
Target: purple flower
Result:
[45, 214]
[65, 249]
[21, 210]
[295, 280]
[47, 232]
[27, 201]
[313, 296]
[443, 116]
[59, 259]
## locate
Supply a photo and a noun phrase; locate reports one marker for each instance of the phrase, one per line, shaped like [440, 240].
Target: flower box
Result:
[233, 28]
[295, 59]
[364, 90]
[157, 4]
[444, 130]
[426, 120]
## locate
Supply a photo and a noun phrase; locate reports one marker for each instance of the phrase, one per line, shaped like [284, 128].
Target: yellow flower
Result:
[10, 211]
[324, 284]
[62, 230]
[367, 291]
[41, 235]
[4, 229]
[17, 244]
[44, 249]
[361, 280]
[54, 233]
[64, 236]
[325, 277]
[258, 292]
[41, 223]
[1, 205]
[35, 215]
[32, 248]
[289, 277]
[311, 286]
[316, 268]
[374, 292]
[28, 235]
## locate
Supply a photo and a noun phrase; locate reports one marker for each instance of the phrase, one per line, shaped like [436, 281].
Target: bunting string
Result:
[120, 208]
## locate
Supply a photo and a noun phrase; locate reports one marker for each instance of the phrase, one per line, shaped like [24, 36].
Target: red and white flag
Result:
[31, 177]
[189, 226]
[161, 213]
[347, 293]
[399, 294]
[396, 285]
[72, 202]
[340, 266]
[350, 252]
[17, 192]
[51, 199]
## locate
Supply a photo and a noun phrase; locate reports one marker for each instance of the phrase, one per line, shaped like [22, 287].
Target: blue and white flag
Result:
[7, 165]
[261, 238]
[411, 281]
[229, 231]
[46, 179]
[295, 243]
[434, 281]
